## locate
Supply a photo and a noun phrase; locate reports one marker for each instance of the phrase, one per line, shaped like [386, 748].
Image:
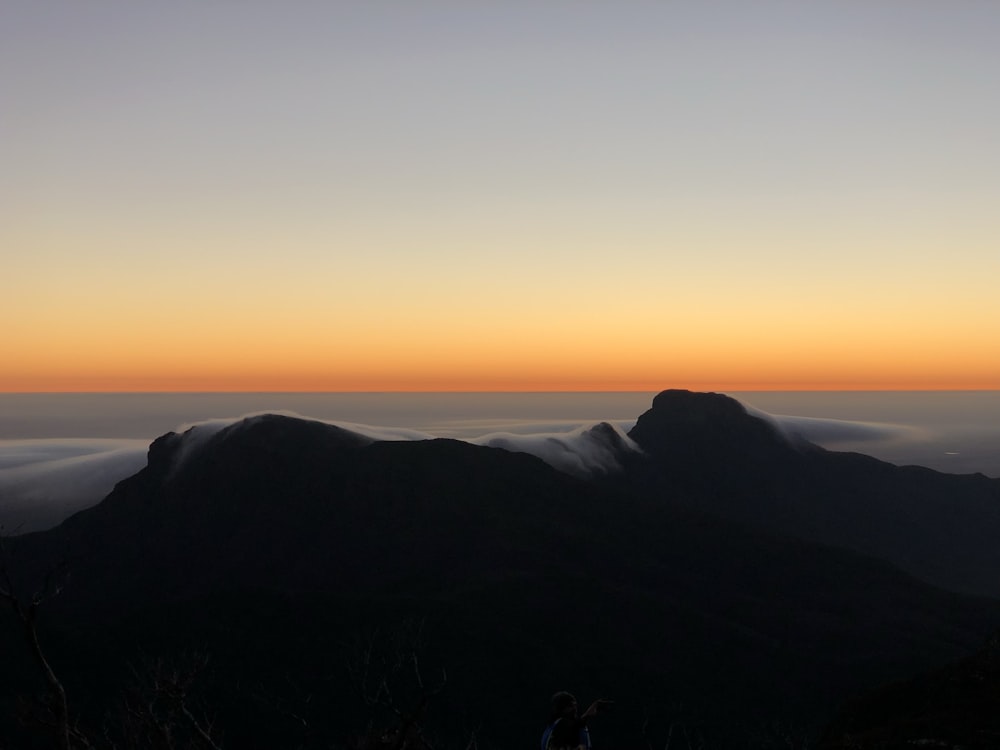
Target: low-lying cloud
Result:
[585, 451]
[44, 481]
[582, 450]
[833, 432]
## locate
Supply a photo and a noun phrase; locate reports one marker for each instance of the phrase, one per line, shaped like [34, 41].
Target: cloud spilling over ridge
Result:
[193, 436]
[582, 451]
[475, 429]
[833, 432]
[209, 427]
[585, 451]
[44, 481]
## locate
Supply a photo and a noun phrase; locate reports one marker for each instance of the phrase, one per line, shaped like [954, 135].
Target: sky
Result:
[473, 196]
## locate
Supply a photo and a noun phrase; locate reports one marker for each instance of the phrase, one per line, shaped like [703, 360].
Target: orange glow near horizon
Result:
[248, 382]
[749, 351]
[275, 352]
[752, 351]
[477, 210]
[168, 386]
[304, 340]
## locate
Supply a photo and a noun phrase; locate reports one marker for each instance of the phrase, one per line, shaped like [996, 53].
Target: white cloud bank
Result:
[831, 433]
[44, 481]
[585, 451]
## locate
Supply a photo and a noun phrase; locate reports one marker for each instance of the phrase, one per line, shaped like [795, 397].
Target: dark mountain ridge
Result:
[706, 450]
[690, 577]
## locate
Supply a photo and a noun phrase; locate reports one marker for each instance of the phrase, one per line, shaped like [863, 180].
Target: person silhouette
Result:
[567, 729]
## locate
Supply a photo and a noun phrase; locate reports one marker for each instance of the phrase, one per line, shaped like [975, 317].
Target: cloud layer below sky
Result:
[43, 481]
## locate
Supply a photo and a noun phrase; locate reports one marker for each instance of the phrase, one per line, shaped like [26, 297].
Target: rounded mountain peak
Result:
[689, 404]
[705, 424]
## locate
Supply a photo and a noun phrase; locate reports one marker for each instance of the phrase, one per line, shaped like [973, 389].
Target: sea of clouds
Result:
[44, 480]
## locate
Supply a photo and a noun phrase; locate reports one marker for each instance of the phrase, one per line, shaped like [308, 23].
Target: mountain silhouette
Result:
[697, 583]
[707, 451]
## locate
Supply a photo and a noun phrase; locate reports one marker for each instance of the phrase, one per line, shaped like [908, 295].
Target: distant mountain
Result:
[690, 584]
[705, 450]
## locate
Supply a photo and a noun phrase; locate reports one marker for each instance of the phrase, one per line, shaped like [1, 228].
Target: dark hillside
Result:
[705, 450]
[957, 706]
[278, 545]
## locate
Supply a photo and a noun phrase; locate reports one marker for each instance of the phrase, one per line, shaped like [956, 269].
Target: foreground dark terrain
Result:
[285, 583]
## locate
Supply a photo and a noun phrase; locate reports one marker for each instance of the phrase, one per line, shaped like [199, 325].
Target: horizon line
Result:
[455, 391]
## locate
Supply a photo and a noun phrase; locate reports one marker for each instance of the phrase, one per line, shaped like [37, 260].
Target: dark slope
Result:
[705, 450]
[275, 541]
[957, 706]
[291, 505]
